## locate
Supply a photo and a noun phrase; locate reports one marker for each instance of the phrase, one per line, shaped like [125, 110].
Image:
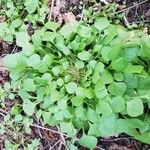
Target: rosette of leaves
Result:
[90, 77]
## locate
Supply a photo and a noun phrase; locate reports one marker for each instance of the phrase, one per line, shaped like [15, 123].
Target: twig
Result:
[126, 22]
[14, 49]
[97, 147]
[55, 144]
[62, 138]
[51, 11]
[38, 121]
[126, 9]
[60, 146]
[2, 114]
[138, 22]
[3, 111]
[104, 1]
[48, 129]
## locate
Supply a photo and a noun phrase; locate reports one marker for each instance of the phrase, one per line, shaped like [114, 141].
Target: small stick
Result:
[104, 1]
[40, 127]
[62, 139]
[126, 22]
[2, 114]
[55, 144]
[51, 11]
[126, 9]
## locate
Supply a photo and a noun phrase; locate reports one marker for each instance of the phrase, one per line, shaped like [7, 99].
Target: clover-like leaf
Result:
[71, 87]
[117, 88]
[29, 85]
[135, 107]
[29, 107]
[101, 23]
[118, 104]
[88, 141]
[85, 55]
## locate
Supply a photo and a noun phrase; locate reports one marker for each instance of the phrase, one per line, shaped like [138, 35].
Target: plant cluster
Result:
[94, 78]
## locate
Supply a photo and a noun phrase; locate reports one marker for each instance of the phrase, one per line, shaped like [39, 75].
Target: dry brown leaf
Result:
[2, 19]
[69, 17]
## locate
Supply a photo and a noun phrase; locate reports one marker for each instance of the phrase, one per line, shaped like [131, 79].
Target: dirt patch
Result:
[139, 13]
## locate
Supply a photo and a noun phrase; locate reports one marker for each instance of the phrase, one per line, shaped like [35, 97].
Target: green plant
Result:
[90, 77]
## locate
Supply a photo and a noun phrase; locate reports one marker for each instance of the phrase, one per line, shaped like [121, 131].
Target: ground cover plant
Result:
[92, 78]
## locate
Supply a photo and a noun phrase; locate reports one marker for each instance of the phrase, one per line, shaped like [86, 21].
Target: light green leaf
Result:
[8, 37]
[34, 61]
[22, 39]
[107, 125]
[77, 101]
[100, 90]
[68, 29]
[67, 127]
[10, 61]
[99, 67]
[29, 107]
[89, 93]
[84, 55]
[60, 82]
[104, 108]
[144, 83]
[101, 24]
[84, 31]
[79, 64]
[52, 25]
[118, 104]
[131, 53]
[62, 48]
[29, 85]
[88, 141]
[119, 64]
[94, 130]
[135, 107]
[72, 147]
[107, 77]
[114, 52]
[118, 76]
[31, 5]
[80, 112]
[16, 23]
[146, 39]
[71, 87]
[36, 39]
[134, 69]
[121, 126]
[48, 36]
[92, 116]
[117, 88]
[131, 80]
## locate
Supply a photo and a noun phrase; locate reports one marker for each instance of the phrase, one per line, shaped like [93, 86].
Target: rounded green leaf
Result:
[79, 64]
[117, 88]
[77, 101]
[29, 85]
[68, 128]
[135, 107]
[34, 61]
[101, 24]
[29, 107]
[104, 108]
[71, 87]
[85, 55]
[118, 104]
[88, 141]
